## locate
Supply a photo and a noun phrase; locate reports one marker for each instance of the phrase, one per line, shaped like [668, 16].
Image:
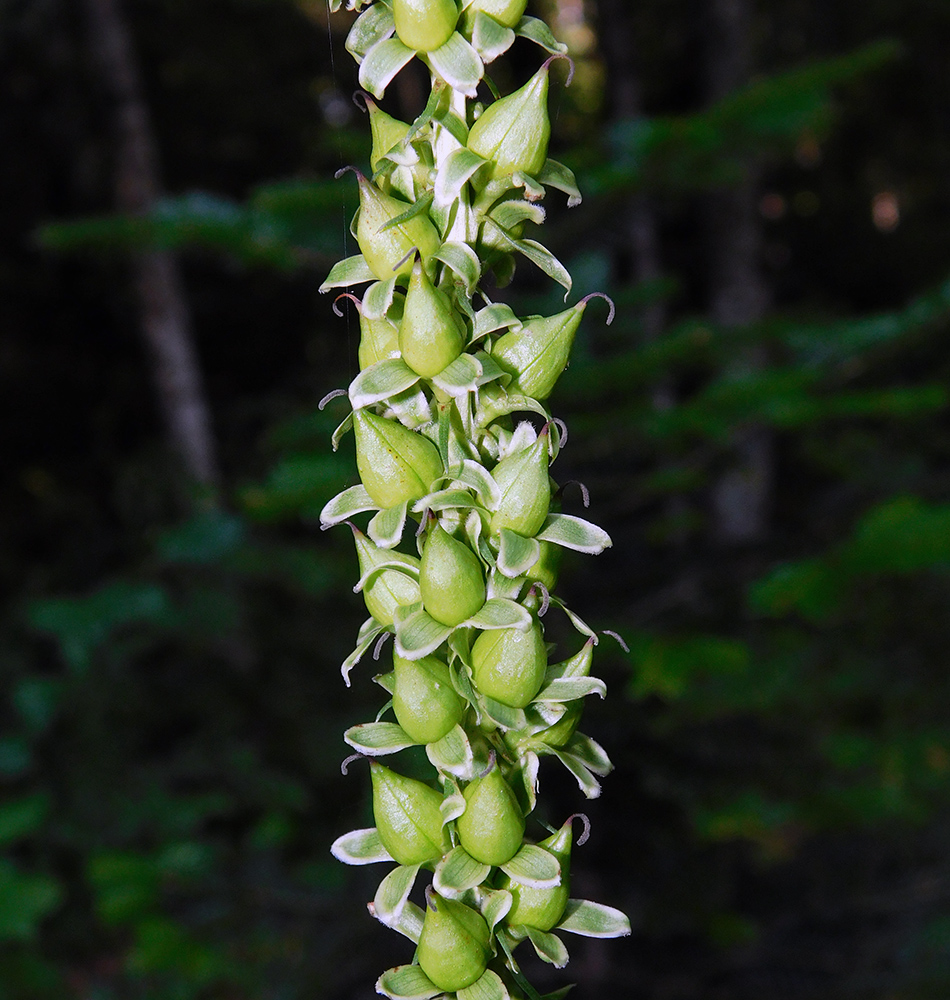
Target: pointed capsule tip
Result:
[585, 836]
[599, 295]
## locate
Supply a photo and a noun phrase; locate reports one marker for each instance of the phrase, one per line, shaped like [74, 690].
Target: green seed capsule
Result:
[508, 664]
[425, 25]
[513, 133]
[545, 570]
[492, 827]
[537, 354]
[525, 489]
[453, 947]
[379, 341]
[451, 580]
[506, 12]
[431, 334]
[384, 250]
[543, 908]
[408, 817]
[387, 589]
[395, 463]
[387, 132]
[426, 705]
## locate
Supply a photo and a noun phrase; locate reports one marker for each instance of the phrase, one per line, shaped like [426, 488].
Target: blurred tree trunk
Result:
[739, 295]
[164, 314]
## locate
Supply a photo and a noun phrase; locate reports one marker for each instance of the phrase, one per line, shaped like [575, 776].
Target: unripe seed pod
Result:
[451, 579]
[543, 908]
[425, 25]
[385, 251]
[514, 132]
[545, 570]
[453, 946]
[387, 132]
[537, 354]
[408, 817]
[431, 334]
[492, 827]
[508, 664]
[396, 464]
[525, 489]
[506, 12]
[387, 589]
[426, 705]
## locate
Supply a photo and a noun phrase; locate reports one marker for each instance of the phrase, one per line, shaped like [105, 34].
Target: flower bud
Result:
[537, 353]
[513, 133]
[425, 25]
[545, 570]
[492, 827]
[451, 580]
[426, 705]
[408, 817]
[543, 908]
[387, 589]
[384, 251]
[506, 12]
[431, 334]
[453, 946]
[525, 489]
[387, 132]
[396, 464]
[508, 664]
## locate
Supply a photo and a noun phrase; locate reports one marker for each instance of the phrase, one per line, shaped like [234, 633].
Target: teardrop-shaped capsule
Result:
[425, 25]
[543, 908]
[451, 580]
[492, 827]
[453, 946]
[387, 589]
[506, 12]
[384, 250]
[387, 132]
[545, 570]
[508, 664]
[396, 465]
[426, 705]
[537, 354]
[407, 817]
[525, 489]
[514, 132]
[379, 341]
[431, 334]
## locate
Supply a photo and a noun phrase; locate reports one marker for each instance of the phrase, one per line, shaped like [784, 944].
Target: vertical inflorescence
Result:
[452, 472]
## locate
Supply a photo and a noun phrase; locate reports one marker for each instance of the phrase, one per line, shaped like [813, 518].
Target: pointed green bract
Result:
[431, 334]
[426, 705]
[492, 826]
[508, 664]
[407, 817]
[514, 132]
[396, 465]
[451, 579]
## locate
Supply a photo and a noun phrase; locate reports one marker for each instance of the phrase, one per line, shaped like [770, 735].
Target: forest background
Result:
[764, 431]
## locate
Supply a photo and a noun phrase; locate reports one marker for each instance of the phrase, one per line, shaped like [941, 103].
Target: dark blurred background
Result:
[764, 431]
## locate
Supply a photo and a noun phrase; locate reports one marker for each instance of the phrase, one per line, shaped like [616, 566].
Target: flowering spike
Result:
[437, 440]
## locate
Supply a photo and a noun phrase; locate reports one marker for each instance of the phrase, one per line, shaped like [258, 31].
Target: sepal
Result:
[549, 947]
[370, 28]
[376, 739]
[382, 63]
[589, 919]
[535, 867]
[407, 982]
[458, 64]
[360, 847]
[458, 872]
